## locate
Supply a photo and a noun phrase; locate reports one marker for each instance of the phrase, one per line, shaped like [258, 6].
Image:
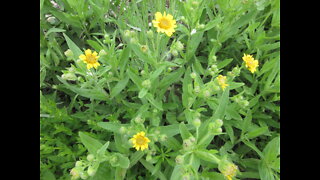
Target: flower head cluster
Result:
[251, 63]
[164, 23]
[228, 169]
[91, 59]
[222, 81]
[140, 141]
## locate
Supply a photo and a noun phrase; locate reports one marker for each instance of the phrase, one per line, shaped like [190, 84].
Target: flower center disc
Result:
[140, 140]
[91, 59]
[164, 24]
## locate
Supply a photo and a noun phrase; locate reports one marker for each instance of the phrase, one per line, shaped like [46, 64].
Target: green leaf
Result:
[151, 168]
[143, 92]
[185, 134]
[51, 30]
[95, 93]
[124, 59]
[95, 45]
[73, 47]
[119, 87]
[135, 157]
[90, 143]
[112, 126]
[224, 63]
[154, 102]
[257, 132]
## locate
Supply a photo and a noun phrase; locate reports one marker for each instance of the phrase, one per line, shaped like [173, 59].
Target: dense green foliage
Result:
[164, 86]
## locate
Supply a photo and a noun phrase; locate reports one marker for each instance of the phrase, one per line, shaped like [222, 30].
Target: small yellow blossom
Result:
[222, 81]
[91, 59]
[140, 141]
[251, 63]
[230, 171]
[164, 23]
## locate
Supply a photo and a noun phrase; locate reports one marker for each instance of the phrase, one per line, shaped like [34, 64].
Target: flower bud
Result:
[218, 130]
[84, 175]
[169, 69]
[122, 130]
[218, 122]
[201, 26]
[91, 171]
[187, 143]
[52, 20]
[196, 122]
[144, 48]
[114, 159]
[214, 58]
[192, 139]
[150, 34]
[179, 159]
[127, 33]
[142, 72]
[133, 40]
[69, 76]
[179, 46]
[174, 52]
[102, 52]
[68, 53]
[146, 84]
[182, 18]
[138, 120]
[236, 71]
[227, 168]
[79, 164]
[206, 93]
[90, 157]
[193, 75]
[75, 173]
[148, 157]
[163, 137]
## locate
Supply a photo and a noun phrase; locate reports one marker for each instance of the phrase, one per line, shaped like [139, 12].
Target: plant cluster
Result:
[179, 90]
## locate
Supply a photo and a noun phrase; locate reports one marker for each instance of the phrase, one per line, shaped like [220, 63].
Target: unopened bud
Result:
[144, 48]
[52, 20]
[146, 84]
[68, 53]
[201, 26]
[84, 175]
[174, 52]
[193, 75]
[150, 34]
[90, 157]
[69, 76]
[163, 137]
[179, 159]
[139, 120]
[79, 164]
[179, 46]
[196, 122]
[91, 171]
[75, 173]
[102, 52]
[122, 130]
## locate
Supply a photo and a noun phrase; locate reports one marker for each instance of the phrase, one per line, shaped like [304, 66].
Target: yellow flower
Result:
[222, 81]
[91, 59]
[251, 63]
[164, 23]
[230, 171]
[140, 141]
